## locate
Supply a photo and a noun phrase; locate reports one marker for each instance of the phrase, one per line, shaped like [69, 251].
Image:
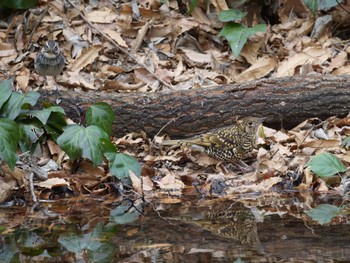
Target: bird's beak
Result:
[262, 119]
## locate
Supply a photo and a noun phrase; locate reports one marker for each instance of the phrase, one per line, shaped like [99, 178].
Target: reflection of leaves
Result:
[346, 142]
[324, 213]
[8, 251]
[125, 214]
[97, 243]
[326, 165]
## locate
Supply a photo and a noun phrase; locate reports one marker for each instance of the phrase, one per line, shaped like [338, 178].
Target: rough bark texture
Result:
[283, 100]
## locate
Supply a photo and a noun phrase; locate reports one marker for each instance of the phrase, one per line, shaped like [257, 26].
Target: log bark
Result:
[287, 100]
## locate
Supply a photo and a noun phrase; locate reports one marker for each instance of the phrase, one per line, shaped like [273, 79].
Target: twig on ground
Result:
[37, 23]
[162, 129]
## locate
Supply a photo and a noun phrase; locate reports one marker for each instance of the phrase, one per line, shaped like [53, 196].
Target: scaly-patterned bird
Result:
[229, 143]
[50, 61]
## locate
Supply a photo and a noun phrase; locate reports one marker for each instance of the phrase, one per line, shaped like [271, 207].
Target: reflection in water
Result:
[228, 220]
[212, 231]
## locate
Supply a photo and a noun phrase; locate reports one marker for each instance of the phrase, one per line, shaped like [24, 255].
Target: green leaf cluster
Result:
[21, 126]
[92, 142]
[18, 4]
[235, 33]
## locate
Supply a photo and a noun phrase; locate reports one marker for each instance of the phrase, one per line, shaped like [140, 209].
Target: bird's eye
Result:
[250, 123]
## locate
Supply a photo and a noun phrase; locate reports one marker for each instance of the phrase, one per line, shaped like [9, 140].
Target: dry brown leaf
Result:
[345, 70]
[104, 16]
[77, 78]
[7, 50]
[23, 79]
[171, 183]
[52, 182]
[7, 185]
[200, 16]
[260, 68]
[116, 37]
[220, 5]
[87, 57]
[250, 51]
[147, 183]
[203, 159]
[89, 168]
[322, 144]
[136, 182]
[162, 158]
[197, 57]
[141, 34]
[313, 55]
[337, 62]
[53, 147]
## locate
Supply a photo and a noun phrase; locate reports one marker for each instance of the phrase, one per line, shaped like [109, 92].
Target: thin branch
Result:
[37, 23]
[126, 52]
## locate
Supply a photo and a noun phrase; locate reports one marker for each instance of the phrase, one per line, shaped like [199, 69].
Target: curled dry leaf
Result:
[259, 69]
[87, 57]
[116, 37]
[313, 55]
[52, 182]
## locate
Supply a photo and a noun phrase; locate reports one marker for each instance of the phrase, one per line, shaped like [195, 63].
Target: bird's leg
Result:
[221, 166]
[242, 166]
[58, 100]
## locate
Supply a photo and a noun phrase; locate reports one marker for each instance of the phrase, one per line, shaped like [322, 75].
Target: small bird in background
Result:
[50, 60]
[229, 143]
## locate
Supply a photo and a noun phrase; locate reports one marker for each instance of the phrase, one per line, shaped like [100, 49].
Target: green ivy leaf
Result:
[324, 213]
[101, 115]
[346, 142]
[325, 5]
[9, 136]
[55, 124]
[108, 146]
[237, 35]
[120, 164]
[193, 5]
[5, 91]
[44, 114]
[18, 4]
[16, 102]
[312, 5]
[326, 165]
[231, 15]
[78, 141]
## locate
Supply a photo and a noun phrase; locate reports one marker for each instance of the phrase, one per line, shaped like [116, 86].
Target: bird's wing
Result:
[211, 140]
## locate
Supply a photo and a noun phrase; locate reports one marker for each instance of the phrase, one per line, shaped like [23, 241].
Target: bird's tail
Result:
[174, 142]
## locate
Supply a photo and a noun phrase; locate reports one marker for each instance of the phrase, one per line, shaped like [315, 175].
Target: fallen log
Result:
[286, 101]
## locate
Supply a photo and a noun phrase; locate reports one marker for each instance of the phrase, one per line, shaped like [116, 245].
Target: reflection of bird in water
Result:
[229, 220]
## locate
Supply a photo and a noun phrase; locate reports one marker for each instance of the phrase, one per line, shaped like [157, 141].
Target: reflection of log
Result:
[288, 99]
